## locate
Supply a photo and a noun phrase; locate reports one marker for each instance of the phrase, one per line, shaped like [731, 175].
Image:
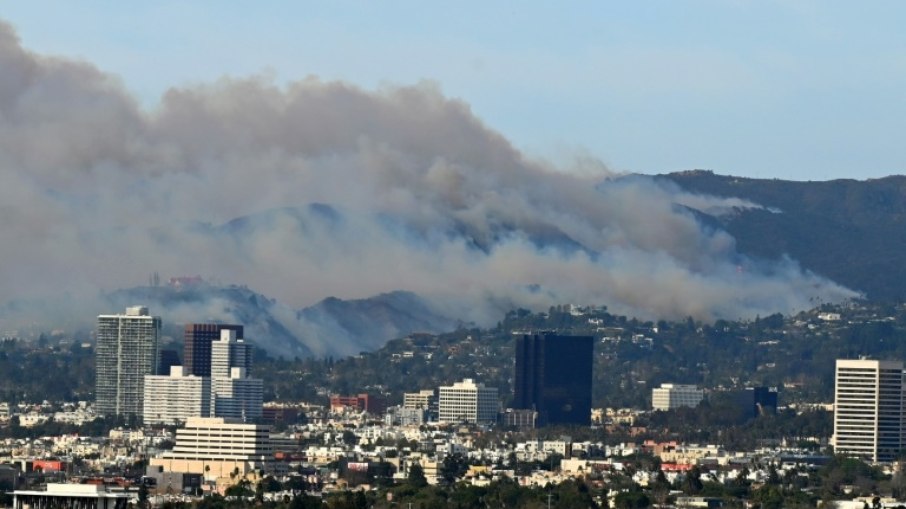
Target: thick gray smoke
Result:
[96, 193]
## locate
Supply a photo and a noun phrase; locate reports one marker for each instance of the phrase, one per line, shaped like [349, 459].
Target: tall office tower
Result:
[553, 377]
[176, 397]
[234, 394]
[468, 402]
[869, 409]
[198, 338]
[127, 350]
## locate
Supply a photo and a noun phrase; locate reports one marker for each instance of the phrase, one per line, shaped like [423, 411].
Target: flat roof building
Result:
[198, 338]
[421, 399]
[869, 409]
[173, 398]
[237, 397]
[234, 394]
[672, 396]
[127, 350]
[230, 351]
[78, 496]
[554, 377]
[215, 447]
[468, 402]
[364, 402]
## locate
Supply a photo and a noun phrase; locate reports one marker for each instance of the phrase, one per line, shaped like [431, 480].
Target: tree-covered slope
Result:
[851, 231]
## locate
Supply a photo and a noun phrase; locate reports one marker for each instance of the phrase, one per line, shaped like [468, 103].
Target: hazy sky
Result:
[807, 90]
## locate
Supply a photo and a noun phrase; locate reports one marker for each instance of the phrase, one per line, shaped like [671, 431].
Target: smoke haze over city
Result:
[322, 188]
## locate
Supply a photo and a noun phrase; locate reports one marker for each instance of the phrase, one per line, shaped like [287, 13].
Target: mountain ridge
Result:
[848, 230]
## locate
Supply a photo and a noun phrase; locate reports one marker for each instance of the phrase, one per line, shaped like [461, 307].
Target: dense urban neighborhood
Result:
[459, 419]
[471, 255]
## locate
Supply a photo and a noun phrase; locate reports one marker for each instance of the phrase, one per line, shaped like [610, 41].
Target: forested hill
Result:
[853, 232]
[794, 353]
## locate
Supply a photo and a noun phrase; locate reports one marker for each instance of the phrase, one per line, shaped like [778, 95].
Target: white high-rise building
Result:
[238, 396]
[216, 447]
[670, 396]
[176, 397]
[229, 352]
[468, 402]
[127, 349]
[234, 394]
[869, 409]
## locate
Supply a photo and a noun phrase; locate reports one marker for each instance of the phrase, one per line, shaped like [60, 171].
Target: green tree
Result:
[453, 467]
[769, 497]
[240, 489]
[416, 476]
[143, 495]
[631, 500]
[692, 483]
[259, 491]
[271, 485]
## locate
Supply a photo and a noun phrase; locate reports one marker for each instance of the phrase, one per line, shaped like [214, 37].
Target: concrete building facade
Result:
[234, 394]
[230, 351]
[468, 402]
[175, 397]
[237, 397]
[422, 399]
[672, 396]
[216, 447]
[869, 409]
[127, 349]
[81, 496]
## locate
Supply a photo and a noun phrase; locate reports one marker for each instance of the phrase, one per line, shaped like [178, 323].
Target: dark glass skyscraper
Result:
[168, 359]
[553, 377]
[198, 338]
[756, 401]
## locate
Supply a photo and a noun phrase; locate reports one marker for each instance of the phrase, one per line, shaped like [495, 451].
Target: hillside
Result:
[794, 353]
[333, 327]
[853, 232]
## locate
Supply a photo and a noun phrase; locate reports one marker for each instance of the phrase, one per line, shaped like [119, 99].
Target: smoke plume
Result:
[418, 194]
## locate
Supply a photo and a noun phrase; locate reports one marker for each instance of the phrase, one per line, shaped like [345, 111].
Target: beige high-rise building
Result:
[216, 447]
[421, 399]
[869, 409]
